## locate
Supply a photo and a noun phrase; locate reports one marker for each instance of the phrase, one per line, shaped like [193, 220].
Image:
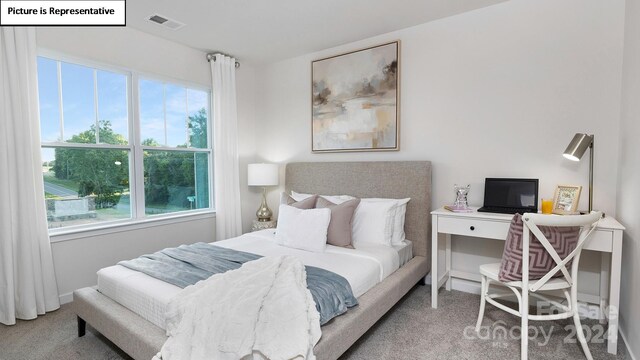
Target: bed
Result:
[141, 336]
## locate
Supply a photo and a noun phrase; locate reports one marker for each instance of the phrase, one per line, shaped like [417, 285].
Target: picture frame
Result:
[355, 100]
[566, 198]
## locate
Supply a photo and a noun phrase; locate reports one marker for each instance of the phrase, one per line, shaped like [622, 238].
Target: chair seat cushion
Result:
[563, 239]
[492, 271]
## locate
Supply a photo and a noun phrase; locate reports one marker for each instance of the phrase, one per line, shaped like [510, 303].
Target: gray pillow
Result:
[339, 232]
[306, 204]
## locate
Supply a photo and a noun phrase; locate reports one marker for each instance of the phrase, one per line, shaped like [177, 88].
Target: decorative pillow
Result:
[336, 199]
[563, 239]
[339, 233]
[373, 222]
[303, 229]
[304, 204]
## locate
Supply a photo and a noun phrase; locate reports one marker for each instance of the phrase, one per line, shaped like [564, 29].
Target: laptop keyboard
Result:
[506, 210]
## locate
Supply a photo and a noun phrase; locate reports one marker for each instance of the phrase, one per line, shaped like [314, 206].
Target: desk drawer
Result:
[600, 240]
[473, 227]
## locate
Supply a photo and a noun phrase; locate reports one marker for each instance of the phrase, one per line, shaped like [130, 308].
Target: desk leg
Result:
[605, 266]
[448, 262]
[614, 293]
[434, 261]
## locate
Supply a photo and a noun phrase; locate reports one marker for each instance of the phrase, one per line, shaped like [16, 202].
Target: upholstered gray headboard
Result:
[383, 179]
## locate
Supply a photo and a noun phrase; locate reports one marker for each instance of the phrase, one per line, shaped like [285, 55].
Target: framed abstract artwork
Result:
[355, 104]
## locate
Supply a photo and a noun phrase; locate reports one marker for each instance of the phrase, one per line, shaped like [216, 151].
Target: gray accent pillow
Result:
[306, 204]
[339, 232]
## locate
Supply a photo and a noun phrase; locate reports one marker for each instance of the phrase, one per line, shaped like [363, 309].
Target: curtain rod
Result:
[212, 56]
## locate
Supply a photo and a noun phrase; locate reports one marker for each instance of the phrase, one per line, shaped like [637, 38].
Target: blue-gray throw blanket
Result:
[188, 264]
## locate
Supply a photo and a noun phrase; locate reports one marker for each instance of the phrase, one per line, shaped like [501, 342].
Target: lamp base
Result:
[264, 213]
[586, 212]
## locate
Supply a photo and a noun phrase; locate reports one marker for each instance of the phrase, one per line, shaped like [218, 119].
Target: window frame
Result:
[136, 150]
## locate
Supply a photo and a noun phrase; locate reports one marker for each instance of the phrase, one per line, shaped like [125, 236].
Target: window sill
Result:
[59, 235]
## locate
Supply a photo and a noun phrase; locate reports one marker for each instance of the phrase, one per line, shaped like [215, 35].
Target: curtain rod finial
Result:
[212, 57]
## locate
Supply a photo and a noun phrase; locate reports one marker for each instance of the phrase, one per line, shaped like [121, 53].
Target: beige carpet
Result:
[412, 330]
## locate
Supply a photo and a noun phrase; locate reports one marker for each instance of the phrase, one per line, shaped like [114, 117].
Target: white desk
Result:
[607, 239]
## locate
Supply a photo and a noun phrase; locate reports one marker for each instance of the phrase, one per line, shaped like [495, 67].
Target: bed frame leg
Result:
[423, 281]
[82, 327]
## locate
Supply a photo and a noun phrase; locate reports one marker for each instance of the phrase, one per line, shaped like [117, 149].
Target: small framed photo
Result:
[565, 201]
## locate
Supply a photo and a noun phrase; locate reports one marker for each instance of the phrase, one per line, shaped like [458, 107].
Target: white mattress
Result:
[364, 268]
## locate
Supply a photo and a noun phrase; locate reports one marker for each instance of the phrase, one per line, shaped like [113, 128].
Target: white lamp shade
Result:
[263, 175]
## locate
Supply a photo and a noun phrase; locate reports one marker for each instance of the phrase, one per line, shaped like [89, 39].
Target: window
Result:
[104, 162]
[173, 125]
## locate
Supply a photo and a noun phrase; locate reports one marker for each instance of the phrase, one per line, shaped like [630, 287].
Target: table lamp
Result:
[574, 152]
[263, 175]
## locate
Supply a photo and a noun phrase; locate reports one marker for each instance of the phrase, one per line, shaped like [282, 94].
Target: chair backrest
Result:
[587, 223]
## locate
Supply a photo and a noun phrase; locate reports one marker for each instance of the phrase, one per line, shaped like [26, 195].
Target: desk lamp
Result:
[574, 152]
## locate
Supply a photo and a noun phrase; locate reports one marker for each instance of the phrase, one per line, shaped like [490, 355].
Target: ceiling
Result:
[260, 31]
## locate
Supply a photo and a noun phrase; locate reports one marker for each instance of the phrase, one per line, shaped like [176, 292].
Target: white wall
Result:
[76, 261]
[629, 180]
[498, 91]
[247, 116]
[128, 48]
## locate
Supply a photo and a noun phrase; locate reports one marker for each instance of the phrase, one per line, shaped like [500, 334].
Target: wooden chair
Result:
[525, 288]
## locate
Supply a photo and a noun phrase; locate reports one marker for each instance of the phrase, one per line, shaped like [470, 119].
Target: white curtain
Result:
[225, 135]
[27, 280]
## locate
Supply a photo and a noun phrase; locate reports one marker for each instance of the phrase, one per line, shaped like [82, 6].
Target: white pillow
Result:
[336, 199]
[303, 229]
[398, 223]
[373, 222]
[394, 231]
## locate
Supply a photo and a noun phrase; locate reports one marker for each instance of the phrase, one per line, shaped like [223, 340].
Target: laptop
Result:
[510, 196]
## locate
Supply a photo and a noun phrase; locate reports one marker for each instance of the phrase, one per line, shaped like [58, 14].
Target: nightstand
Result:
[261, 225]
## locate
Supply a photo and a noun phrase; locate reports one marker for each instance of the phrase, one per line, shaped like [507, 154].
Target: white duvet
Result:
[149, 297]
[266, 312]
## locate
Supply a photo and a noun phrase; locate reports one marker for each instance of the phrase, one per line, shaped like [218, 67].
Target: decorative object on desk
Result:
[461, 196]
[565, 202]
[261, 225]
[355, 100]
[546, 205]
[458, 209]
[263, 175]
[574, 152]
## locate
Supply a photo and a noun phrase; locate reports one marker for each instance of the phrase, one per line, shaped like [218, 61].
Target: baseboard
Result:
[66, 298]
[626, 344]
[467, 286]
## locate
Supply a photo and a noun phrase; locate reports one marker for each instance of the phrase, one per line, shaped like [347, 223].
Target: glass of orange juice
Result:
[547, 206]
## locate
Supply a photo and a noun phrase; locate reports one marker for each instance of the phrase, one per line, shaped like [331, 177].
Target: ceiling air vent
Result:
[165, 21]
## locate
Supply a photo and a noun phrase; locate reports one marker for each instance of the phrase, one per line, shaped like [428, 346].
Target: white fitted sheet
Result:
[364, 268]
[405, 251]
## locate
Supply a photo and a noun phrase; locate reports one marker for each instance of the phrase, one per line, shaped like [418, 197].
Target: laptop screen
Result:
[511, 193]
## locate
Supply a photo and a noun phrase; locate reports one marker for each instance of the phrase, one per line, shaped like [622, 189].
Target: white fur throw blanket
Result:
[263, 310]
